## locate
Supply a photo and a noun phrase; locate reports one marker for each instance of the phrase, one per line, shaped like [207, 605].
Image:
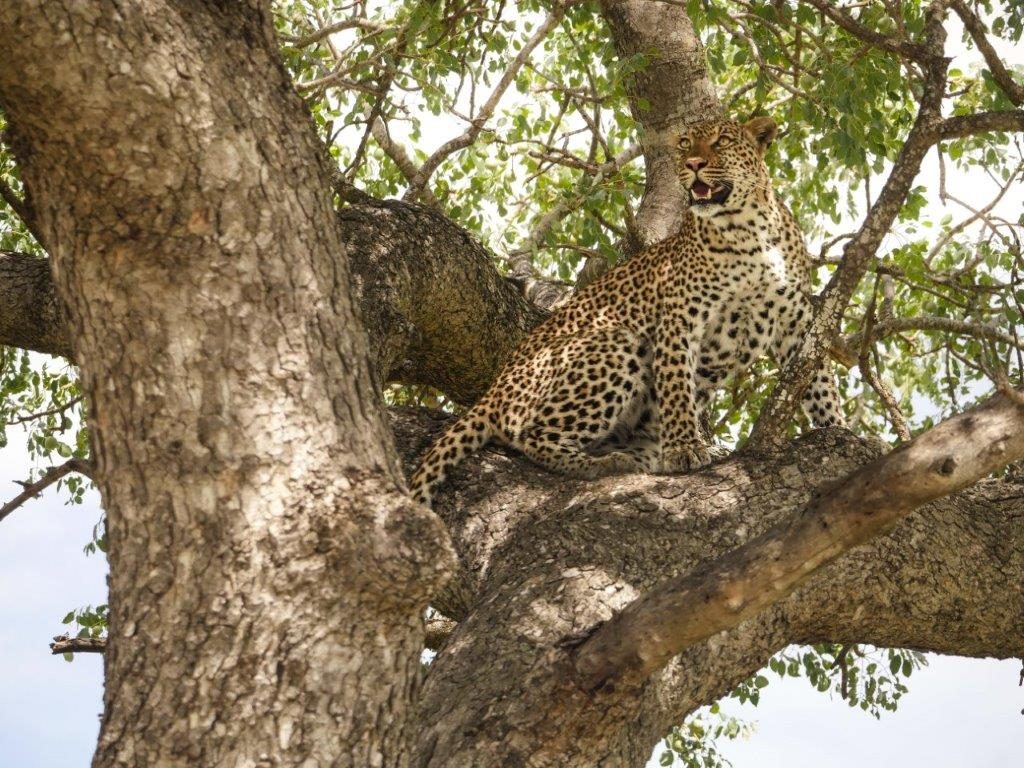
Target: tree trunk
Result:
[671, 93]
[268, 573]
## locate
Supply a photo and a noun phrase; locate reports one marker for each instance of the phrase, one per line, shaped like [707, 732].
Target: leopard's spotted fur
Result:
[615, 380]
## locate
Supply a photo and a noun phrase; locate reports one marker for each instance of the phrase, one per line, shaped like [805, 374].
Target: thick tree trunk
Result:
[268, 573]
[676, 92]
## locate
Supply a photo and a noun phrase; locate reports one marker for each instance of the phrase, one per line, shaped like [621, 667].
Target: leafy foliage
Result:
[865, 677]
[90, 623]
[694, 744]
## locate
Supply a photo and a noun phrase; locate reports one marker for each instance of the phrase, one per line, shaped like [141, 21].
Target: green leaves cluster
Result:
[41, 397]
[694, 744]
[442, 61]
[89, 622]
[872, 679]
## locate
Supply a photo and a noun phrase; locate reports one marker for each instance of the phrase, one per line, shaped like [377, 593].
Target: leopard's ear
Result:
[763, 131]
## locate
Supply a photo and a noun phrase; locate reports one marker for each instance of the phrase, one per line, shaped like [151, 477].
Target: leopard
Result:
[616, 379]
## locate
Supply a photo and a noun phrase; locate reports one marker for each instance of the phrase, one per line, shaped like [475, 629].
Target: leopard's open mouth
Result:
[702, 193]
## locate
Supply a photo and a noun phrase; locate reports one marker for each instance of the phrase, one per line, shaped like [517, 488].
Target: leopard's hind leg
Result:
[589, 419]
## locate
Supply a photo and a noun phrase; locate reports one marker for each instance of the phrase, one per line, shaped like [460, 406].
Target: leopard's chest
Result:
[743, 320]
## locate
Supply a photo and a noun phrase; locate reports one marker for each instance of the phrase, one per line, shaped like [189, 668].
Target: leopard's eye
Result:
[684, 143]
[722, 141]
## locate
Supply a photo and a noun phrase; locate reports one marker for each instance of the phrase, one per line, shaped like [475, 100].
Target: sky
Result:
[959, 713]
[49, 708]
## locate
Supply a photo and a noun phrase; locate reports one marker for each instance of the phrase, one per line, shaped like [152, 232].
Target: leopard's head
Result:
[721, 165]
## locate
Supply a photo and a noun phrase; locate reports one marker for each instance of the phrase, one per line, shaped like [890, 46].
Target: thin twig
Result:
[68, 644]
[976, 29]
[874, 379]
[43, 414]
[50, 476]
[479, 120]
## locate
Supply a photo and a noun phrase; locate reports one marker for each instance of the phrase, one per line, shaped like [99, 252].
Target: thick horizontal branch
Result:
[436, 309]
[31, 315]
[981, 122]
[717, 597]
[546, 559]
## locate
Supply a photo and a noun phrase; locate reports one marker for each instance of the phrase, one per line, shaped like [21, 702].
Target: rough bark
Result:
[31, 314]
[268, 573]
[740, 584]
[436, 308]
[547, 559]
[677, 91]
[268, 576]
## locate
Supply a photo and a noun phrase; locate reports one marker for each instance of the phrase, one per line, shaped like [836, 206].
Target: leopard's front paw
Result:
[686, 459]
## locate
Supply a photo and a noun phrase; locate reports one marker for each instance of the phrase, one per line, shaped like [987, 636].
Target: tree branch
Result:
[981, 122]
[479, 120]
[43, 414]
[976, 29]
[20, 207]
[49, 477]
[544, 224]
[68, 644]
[547, 558]
[436, 309]
[860, 250]
[400, 157]
[31, 314]
[928, 323]
[437, 631]
[914, 51]
[719, 596]
[354, 22]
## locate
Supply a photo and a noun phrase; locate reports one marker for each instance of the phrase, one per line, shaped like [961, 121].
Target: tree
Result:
[210, 236]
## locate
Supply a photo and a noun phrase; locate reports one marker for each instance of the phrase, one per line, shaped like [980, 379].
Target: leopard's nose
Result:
[695, 163]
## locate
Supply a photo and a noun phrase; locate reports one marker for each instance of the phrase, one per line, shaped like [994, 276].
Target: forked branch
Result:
[860, 250]
[716, 597]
